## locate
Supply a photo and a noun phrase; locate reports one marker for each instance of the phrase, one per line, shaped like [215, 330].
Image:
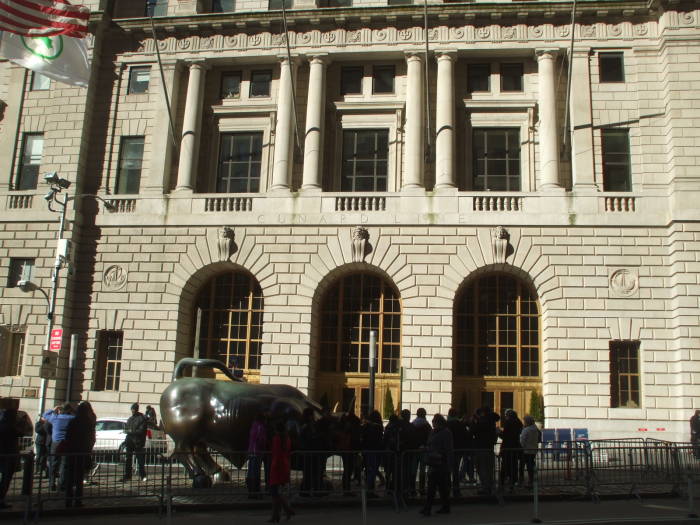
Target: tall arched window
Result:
[230, 311]
[496, 344]
[353, 306]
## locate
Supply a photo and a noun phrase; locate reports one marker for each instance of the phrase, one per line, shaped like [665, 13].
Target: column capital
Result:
[582, 51]
[546, 53]
[318, 58]
[445, 54]
[199, 63]
[412, 56]
[284, 58]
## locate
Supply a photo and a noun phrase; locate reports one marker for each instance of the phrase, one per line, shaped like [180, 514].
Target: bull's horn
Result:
[204, 363]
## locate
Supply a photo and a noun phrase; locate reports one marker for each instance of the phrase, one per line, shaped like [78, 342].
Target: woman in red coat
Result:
[279, 472]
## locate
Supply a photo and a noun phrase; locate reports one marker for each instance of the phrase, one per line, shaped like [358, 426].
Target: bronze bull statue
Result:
[202, 414]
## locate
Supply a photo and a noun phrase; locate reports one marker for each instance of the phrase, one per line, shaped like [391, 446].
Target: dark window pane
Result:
[231, 85]
[351, 80]
[365, 160]
[240, 161]
[260, 82]
[478, 77]
[30, 161]
[130, 159]
[511, 77]
[40, 82]
[139, 77]
[383, 79]
[496, 153]
[223, 6]
[611, 67]
[274, 5]
[616, 160]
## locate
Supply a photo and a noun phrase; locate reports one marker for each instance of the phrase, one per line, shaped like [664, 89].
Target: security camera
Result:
[64, 183]
[50, 195]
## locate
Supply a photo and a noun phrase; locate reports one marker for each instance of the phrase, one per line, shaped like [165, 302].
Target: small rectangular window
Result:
[240, 160]
[624, 374]
[611, 67]
[139, 77]
[334, 3]
[275, 5]
[496, 154]
[20, 270]
[511, 77]
[478, 77]
[383, 79]
[260, 82]
[223, 6]
[108, 360]
[156, 7]
[231, 84]
[130, 161]
[365, 160]
[616, 160]
[30, 161]
[11, 353]
[351, 80]
[40, 82]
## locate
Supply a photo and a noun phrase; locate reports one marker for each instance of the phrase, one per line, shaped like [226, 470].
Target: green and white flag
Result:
[58, 57]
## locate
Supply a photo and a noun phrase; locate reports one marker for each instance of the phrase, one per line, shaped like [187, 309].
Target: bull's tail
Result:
[204, 363]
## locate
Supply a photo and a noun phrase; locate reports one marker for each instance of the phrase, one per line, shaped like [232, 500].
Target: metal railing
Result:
[582, 468]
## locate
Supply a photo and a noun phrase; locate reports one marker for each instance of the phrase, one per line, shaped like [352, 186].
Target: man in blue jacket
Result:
[59, 418]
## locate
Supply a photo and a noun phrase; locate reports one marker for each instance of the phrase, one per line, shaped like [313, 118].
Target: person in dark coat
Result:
[467, 468]
[485, 435]
[9, 445]
[408, 450]
[372, 444]
[135, 443]
[439, 458]
[459, 437]
[511, 449]
[78, 445]
[422, 432]
[695, 433]
[42, 440]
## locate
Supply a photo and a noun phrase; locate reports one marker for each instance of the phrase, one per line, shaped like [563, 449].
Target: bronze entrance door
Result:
[496, 345]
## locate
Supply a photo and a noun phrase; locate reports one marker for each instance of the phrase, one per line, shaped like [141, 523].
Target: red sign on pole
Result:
[55, 340]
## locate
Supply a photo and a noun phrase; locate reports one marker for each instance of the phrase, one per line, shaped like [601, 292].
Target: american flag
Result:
[43, 18]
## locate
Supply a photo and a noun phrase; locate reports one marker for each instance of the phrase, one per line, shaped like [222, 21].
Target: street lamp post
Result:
[372, 366]
[57, 185]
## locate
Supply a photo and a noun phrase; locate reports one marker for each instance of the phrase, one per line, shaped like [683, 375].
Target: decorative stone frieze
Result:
[360, 244]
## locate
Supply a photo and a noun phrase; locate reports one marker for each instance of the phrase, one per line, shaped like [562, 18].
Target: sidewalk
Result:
[657, 511]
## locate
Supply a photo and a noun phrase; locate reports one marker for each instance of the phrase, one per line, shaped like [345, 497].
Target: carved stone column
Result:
[313, 143]
[445, 121]
[284, 131]
[549, 146]
[189, 144]
[581, 122]
[414, 136]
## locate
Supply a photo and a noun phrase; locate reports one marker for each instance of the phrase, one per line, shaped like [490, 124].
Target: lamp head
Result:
[26, 286]
[53, 179]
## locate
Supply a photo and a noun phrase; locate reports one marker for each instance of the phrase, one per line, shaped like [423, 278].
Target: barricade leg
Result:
[691, 503]
[535, 501]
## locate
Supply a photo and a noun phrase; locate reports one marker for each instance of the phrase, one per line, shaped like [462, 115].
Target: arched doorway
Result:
[350, 308]
[228, 322]
[496, 345]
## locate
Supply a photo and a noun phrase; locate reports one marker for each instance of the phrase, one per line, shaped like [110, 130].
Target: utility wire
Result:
[162, 81]
[566, 136]
[294, 96]
[428, 129]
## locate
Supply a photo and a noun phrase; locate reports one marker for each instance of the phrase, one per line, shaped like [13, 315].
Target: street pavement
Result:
[627, 511]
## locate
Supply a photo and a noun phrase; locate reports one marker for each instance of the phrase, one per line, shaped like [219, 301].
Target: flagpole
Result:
[162, 81]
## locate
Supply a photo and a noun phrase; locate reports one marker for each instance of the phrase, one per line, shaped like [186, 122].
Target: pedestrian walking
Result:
[530, 438]
[439, 459]
[422, 432]
[280, 467]
[459, 438]
[78, 445]
[135, 443]
[511, 451]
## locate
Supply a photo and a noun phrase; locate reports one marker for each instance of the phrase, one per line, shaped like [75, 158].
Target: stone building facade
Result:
[346, 182]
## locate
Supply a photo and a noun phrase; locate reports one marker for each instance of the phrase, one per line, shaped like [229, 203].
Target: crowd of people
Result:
[414, 455]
